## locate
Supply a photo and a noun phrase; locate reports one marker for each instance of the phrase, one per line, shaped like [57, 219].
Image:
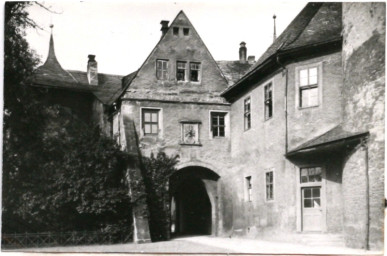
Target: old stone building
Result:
[287, 145]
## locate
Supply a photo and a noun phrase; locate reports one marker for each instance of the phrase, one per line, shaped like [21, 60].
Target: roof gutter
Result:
[273, 60]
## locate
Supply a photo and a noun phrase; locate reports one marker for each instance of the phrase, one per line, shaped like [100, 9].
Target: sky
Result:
[123, 33]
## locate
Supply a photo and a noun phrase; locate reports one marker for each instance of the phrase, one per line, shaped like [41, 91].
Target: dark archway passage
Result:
[192, 212]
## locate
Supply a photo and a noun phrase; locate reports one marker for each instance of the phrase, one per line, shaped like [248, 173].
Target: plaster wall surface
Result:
[262, 148]
[187, 48]
[363, 104]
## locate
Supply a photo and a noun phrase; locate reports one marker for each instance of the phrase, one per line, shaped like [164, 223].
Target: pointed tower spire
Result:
[51, 57]
[274, 34]
[52, 68]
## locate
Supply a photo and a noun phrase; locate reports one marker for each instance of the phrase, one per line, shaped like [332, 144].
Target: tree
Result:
[157, 171]
[59, 173]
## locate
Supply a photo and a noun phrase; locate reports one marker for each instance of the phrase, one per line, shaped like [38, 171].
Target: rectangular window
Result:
[308, 81]
[268, 101]
[150, 121]
[310, 174]
[162, 69]
[218, 124]
[186, 31]
[175, 31]
[247, 114]
[269, 186]
[194, 72]
[249, 192]
[312, 197]
[181, 66]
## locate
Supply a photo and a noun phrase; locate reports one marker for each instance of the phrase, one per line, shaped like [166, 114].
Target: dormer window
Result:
[186, 31]
[194, 72]
[176, 31]
[180, 71]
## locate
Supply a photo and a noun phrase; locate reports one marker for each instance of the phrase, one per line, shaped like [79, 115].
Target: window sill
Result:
[269, 201]
[189, 144]
[218, 137]
[301, 108]
[268, 119]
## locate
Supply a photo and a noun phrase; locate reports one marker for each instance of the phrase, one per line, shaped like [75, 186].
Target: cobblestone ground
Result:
[206, 244]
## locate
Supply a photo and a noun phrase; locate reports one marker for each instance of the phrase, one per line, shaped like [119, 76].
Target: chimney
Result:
[92, 70]
[242, 53]
[164, 26]
[251, 59]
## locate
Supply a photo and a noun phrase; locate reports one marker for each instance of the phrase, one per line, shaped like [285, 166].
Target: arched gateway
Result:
[194, 201]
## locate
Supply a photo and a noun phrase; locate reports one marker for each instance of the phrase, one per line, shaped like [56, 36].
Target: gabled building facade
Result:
[267, 149]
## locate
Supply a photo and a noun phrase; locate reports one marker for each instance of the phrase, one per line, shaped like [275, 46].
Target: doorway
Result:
[312, 211]
[193, 201]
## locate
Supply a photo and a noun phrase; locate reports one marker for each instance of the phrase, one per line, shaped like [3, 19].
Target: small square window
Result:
[181, 67]
[150, 121]
[176, 31]
[186, 31]
[194, 72]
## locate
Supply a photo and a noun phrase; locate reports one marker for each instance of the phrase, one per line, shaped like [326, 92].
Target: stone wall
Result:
[363, 104]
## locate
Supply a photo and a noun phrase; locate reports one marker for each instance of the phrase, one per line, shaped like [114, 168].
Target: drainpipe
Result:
[285, 99]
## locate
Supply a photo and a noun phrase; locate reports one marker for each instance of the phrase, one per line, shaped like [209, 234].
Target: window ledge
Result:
[218, 137]
[189, 144]
[301, 108]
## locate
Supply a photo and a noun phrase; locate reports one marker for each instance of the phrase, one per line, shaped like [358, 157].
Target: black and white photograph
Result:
[193, 127]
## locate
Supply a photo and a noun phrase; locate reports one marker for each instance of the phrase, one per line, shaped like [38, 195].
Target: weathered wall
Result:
[179, 48]
[363, 104]
[307, 123]
[212, 153]
[262, 148]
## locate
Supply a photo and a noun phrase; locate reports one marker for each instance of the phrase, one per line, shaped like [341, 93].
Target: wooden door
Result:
[312, 210]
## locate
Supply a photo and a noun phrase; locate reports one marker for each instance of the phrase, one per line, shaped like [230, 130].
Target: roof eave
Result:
[273, 59]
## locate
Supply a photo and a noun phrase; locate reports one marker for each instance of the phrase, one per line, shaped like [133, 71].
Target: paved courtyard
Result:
[207, 244]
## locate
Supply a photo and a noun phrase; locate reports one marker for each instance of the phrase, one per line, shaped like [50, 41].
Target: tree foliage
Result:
[157, 171]
[59, 173]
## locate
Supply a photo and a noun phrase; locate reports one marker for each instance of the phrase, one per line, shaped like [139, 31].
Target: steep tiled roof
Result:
[52, 75]
[317, 23]
[233, 70]
[335, 134]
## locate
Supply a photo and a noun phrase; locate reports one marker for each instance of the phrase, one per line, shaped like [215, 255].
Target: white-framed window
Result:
[269, 182]
[248, 189]
[309, 86]
[181, 67]
[150, 121]
[194, 72]
[268, 101]
[218, 124]
[162, 69]
[247, 113]
[310, 174]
